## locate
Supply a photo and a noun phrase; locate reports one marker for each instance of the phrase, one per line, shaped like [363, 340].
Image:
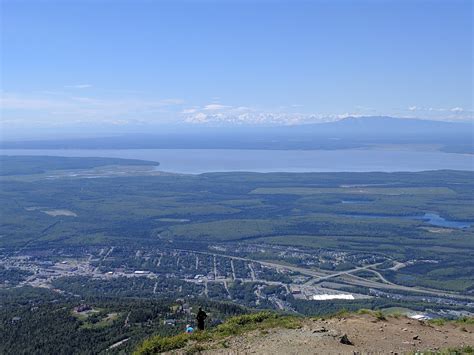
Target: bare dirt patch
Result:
[367, 334]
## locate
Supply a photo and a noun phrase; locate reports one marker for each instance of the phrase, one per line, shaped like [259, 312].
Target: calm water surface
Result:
[196, 161]
[430, 217]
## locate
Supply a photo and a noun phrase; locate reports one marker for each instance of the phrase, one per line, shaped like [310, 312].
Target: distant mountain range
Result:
[352, 132]
[389, 126]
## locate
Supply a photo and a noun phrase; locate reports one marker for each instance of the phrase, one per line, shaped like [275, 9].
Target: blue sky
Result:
[150, 63]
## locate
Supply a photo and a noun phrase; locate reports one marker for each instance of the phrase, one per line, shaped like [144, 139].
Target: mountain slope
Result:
[266, 333]
[367, 336]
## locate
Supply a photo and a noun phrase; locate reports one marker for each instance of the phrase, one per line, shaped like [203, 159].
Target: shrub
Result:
[159, 344]
[260, 320]
[379, 315]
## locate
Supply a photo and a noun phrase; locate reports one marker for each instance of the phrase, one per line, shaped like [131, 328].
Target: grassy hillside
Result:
[344, 333]
[261, 321]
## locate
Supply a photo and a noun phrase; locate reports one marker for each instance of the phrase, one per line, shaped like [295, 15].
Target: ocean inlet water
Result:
[196, 161]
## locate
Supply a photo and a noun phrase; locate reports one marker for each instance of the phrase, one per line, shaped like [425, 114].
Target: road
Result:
[252, 272]
[323, 278]
[322, 275]
[215, 267]
[233, 269]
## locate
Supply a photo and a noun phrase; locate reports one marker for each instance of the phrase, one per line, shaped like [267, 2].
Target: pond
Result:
[430, 217]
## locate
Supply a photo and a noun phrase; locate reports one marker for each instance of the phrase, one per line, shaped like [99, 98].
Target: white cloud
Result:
[78, 86]
[14, 102]
[222, 114]
[219, 114]
[189, 110]
[435, 109]
[54, 108]
[213, 107]
[171, 102]
[437, 113]
[57, 108]
[197, 118]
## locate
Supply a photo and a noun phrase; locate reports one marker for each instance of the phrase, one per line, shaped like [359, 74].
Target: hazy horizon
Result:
[82, 68]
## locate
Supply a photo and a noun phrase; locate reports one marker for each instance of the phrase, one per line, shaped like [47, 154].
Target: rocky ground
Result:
[357, 334]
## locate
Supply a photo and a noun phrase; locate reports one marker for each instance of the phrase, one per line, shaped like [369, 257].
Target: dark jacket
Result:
[201, 316]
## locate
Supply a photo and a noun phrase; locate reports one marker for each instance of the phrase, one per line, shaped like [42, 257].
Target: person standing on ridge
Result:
[201, 317]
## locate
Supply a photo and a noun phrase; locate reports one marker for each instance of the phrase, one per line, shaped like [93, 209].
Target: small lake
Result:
[196, 161]
[431, 218]
[436, 220]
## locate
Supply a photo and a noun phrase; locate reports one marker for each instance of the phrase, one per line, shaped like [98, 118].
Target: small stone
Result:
[416, 337]
[320, 330]
[345, 340]
[404, 330]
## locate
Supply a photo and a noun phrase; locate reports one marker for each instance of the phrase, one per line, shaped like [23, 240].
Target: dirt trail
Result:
[368, 335]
